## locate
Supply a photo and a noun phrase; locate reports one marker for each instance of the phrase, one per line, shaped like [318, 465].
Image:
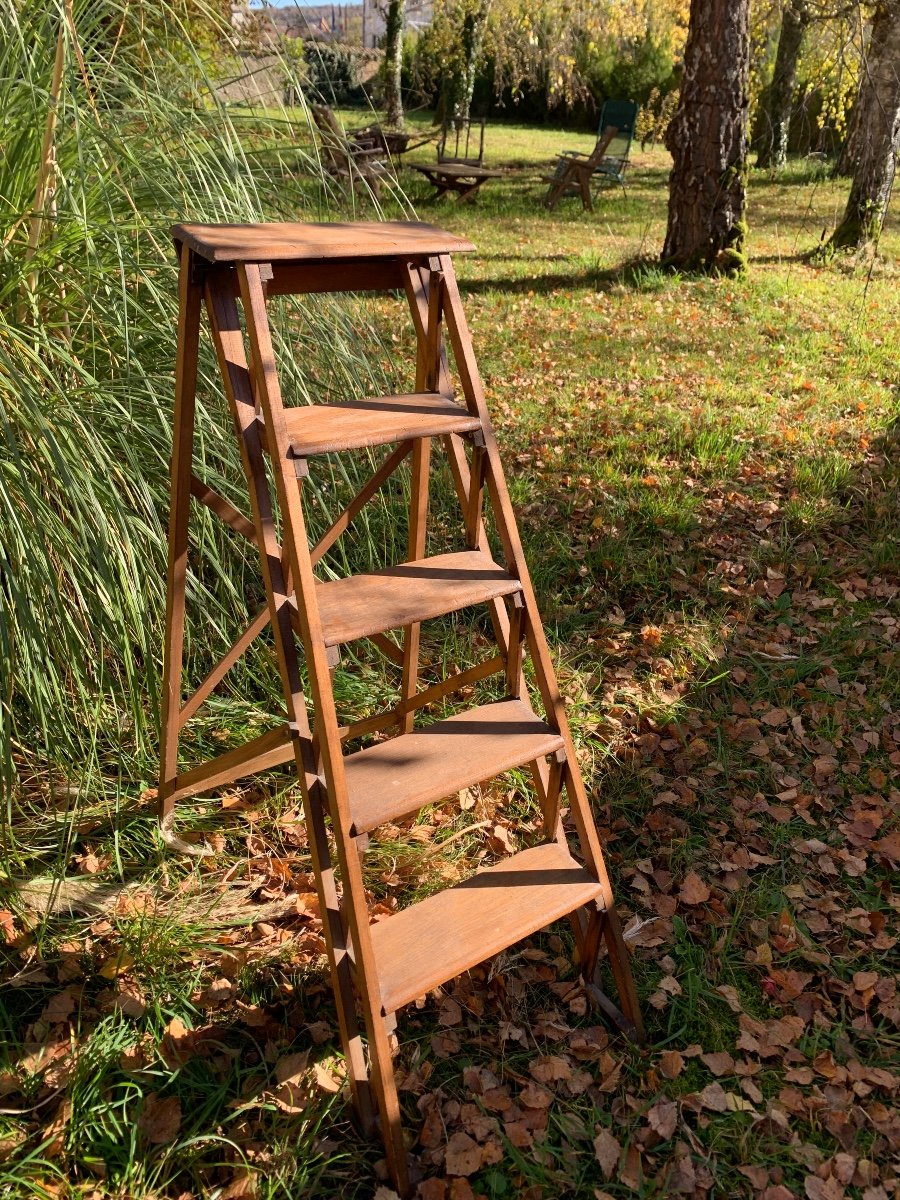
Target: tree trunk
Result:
[777, 114]
[394, 21]
[876, 133]
[708, 141]
[849, 155]
[458, 102]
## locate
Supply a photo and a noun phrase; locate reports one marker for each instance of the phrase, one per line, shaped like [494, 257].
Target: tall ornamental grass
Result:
[87, 344]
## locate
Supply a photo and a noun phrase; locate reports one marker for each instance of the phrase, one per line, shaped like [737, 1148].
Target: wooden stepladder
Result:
[377, 969]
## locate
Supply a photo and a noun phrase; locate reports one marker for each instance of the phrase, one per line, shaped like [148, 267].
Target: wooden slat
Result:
[374, 421]
[472, 921]
[224, 665]
[361, 605]
[223, 509]
[261, 754]
[292, 241]
[429, 695]
[396, 778]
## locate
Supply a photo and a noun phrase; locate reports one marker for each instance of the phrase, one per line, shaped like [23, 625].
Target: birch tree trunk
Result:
[394, 22]
[876, 132]
[461, 85]
[777, 114]
[708, 141]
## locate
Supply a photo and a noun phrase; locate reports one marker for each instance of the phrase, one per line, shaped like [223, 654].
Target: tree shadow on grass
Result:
[643, 274]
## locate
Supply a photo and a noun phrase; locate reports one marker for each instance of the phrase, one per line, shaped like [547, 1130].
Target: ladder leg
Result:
[545, 677]
[385, 1086]
[426, 295]
[620, 964]
[185, 390]
[512, 547]
[329, 767]
[515, 679]
[550, 801]
[231, 353]
[605, 927]
[500, 620]
[418, 521]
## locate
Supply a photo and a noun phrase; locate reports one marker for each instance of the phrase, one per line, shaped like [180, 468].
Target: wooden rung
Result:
[361, 605]
[452, 683]
[396, 778]
[468, 923]
[389, 649]
[375, 421]
[261, 754]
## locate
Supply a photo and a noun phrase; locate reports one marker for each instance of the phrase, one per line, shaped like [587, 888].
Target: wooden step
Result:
[375, 421]
[361, 605]
[434, 941]
[291, 241]
[396, 778]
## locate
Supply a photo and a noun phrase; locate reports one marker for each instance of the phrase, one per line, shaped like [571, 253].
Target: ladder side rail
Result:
[229, 343]
[427, 352]
[189, 305]
[328, 733]
[504, 515]
[417, 282]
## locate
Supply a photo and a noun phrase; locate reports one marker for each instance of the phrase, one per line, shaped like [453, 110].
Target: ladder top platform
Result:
[291, 241]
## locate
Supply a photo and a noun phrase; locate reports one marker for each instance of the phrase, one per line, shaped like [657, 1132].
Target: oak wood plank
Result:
[288, 241]
[394, 779]
[374, 421]
[393, 597]
[476, 919]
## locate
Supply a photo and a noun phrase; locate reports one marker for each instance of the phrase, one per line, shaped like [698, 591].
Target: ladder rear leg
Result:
[603, 926]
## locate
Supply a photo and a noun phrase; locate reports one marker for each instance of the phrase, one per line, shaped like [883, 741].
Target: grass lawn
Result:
[706, 478]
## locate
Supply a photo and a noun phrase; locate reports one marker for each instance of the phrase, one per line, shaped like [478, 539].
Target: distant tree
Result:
[459, 81]
[394, 22]
[549, 55]
[708, 141]
[778, 102]
[876, 133]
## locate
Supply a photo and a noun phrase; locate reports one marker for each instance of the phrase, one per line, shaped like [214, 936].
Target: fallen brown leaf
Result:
[464, 1156]
[693, 890]
[607, 1152]
[160, 1118]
